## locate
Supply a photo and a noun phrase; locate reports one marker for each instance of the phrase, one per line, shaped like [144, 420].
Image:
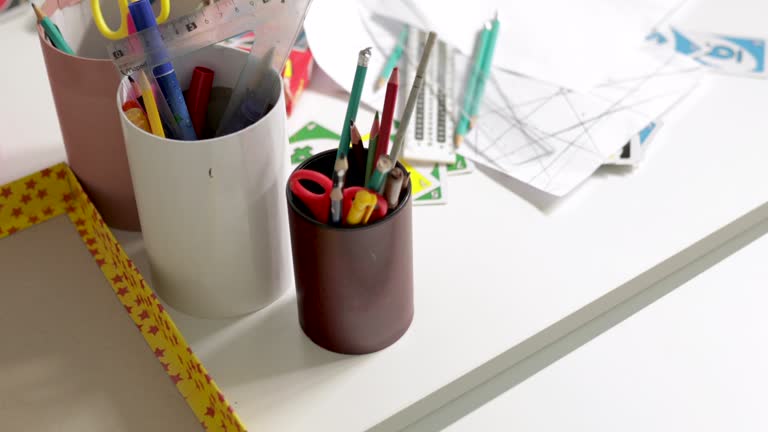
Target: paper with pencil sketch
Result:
[544, 135]
[564, 42]
[553, 139]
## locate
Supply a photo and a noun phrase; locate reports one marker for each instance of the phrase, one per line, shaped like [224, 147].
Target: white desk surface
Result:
[494, 282]
[693, 361]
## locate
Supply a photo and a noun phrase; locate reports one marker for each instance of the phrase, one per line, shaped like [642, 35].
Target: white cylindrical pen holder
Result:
[212, 211]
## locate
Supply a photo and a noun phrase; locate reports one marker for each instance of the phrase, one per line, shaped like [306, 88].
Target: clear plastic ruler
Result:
[430, 138]
[221, 20]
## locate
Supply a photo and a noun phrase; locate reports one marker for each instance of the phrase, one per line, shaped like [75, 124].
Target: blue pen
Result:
[144, 17]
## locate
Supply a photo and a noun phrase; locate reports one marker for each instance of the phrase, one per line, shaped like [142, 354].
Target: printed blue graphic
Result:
[646, 132]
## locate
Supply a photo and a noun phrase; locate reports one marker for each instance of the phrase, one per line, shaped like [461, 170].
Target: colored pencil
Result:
[387, 115]
[53, 33]
[354, 99]
[393, 58]
[485, 71]
[372, 140]
[462, 126]
[356, 174]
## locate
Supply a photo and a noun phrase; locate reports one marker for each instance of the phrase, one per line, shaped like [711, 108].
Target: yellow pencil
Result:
[153, 115]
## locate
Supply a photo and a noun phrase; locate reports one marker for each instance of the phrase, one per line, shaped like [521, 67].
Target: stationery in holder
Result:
[211, 210]
[354, 284]
[83, 87]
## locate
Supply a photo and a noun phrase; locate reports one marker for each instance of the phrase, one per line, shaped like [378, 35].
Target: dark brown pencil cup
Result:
[354, 285]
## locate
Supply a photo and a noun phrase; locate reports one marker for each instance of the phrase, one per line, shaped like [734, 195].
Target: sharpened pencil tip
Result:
[457, 140]
[472, 122]
[394, 78]
[379, 83]
[38, 12]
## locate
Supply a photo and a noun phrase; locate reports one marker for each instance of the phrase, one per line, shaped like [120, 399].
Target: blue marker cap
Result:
[144, 18]
[142, 14]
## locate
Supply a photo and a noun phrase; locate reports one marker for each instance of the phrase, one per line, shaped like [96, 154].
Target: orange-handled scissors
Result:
[101, 24]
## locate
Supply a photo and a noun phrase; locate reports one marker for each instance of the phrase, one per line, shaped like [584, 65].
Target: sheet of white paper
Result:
[336, 34]
[542, 134]
[564, 42]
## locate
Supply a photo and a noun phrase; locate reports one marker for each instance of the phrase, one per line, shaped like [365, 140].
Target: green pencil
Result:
[373, 138]
[354, 100]
[486, 71]
[462, 127]
[50, 29]
[393, 58]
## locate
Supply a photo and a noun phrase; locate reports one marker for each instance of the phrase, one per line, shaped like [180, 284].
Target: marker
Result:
[53, 33]
[198, 96]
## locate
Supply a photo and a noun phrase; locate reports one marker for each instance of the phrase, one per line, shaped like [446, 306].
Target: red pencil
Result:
[387, 115]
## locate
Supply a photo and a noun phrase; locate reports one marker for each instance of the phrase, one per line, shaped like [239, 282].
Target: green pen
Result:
[486, 71]
[354, 100]
[393, 58]
[50, 29]
[462, 127]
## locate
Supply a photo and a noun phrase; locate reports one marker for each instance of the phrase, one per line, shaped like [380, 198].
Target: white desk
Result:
[493, 284]
[519, 279]
[693, 361]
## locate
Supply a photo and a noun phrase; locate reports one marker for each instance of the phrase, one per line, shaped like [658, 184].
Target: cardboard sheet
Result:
[71, 359]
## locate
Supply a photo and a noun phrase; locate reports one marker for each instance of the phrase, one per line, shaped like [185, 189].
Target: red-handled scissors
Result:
[317, 203]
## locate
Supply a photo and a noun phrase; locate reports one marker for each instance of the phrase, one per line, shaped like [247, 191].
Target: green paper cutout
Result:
[312, 131]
